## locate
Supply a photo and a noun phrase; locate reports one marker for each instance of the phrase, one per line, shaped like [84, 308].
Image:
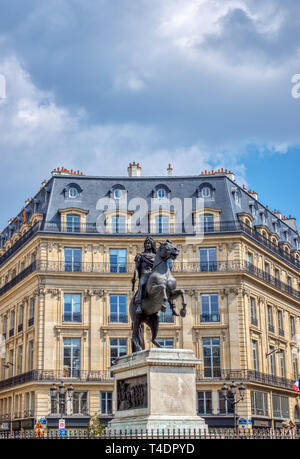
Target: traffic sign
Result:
[61, 432]
[243, 421]
[43, 422]
[61, 424]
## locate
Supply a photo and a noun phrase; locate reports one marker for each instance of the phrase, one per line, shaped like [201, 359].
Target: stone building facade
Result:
[65, 289]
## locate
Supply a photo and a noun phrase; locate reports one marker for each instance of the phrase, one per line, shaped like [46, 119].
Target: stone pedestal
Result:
[156, 389]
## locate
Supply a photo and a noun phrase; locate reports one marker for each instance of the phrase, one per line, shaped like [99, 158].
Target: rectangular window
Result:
[272, 361]
[21, 315]
[277, 277]
[208, 259]
[253, 312]
[166, 317]
[118, 224]
[27, 410]
[210, 308]
[31, 313]
[117, 260]
[31, 308]
[11, 363]
[162, 225]
[30, 355]
[280, 406]
[71, 357]
[73, 224]
[255, 355]
[259, 403]
[166, 342]
[282, 364]
[12, 321]
[207, 223]
[4, 328]
[106, 402]
[20, 359]
[225, 405]
[73, 260]
[270, 319]
[118, 348]
[250, 259]
[72, 307]
[292, 324]
[204, 402]
[295, 365]
[80, 402]
[280, 323]
[32, 403]
[118, 308]
[211, 357]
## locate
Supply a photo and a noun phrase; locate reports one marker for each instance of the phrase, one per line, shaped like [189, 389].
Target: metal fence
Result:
[190, 434]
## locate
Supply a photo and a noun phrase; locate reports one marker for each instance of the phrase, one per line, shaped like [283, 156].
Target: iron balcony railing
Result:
[56, 375]
[247, 376]
[180, 228]
[19, 243]
[241, 266]
[235, 226]
[18, 278]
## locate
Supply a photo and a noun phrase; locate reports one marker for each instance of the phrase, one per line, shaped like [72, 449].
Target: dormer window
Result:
[206, 192]
[73, 193]
[118, 193]
[161, 193]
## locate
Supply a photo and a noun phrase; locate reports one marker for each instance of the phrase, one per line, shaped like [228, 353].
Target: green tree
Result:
[96, 429]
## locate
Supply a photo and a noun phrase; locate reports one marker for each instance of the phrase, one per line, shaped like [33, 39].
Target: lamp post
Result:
[230, 395]
[61, 390]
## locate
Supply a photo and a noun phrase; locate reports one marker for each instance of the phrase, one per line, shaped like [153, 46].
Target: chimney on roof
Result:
[170, 170]
[291, 221]
[231, 175]
[134, 170]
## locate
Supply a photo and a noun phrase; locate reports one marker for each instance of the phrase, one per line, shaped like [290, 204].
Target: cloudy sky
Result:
[202, 84]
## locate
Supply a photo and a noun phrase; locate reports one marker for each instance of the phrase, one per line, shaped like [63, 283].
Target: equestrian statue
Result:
[157, 288]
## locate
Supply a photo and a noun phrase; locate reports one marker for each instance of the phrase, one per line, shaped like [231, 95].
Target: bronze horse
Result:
[160, 289]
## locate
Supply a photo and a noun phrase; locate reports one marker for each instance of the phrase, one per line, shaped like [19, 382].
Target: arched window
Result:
[206, 192]
[161, 193]
[73, 193]
[118, 193]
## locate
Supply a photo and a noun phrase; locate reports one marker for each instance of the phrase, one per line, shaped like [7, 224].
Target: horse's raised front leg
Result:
[175, 294]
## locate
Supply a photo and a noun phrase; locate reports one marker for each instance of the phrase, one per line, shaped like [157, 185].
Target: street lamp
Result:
[230, 395]
[62, 392]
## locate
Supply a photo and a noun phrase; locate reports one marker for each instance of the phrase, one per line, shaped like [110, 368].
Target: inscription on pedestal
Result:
[132, 393]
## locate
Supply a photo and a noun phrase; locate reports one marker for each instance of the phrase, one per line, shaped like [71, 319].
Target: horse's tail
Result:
[136, 327]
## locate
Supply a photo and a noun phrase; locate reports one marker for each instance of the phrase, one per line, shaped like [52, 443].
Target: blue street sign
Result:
[61, 432]
[243, 421]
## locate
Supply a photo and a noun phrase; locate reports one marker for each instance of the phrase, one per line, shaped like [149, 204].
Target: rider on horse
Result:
[143, 267]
